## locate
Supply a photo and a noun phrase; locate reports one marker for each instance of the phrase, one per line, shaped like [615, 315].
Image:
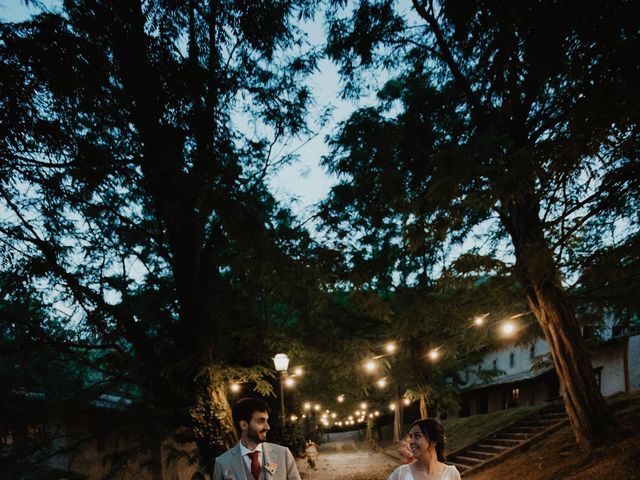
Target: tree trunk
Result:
[421, 374]
[212, 423]
[590, 417]
[397, 418]
[424, 412]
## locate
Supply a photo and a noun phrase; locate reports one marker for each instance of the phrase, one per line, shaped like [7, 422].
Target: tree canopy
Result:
[136, 142]
[144, 255]
[503, 121]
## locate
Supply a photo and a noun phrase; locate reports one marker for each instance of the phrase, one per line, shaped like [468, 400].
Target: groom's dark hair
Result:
[244, 408]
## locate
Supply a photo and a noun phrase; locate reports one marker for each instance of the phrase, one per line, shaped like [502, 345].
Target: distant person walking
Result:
[426, 442]
[253, 458]
[311, 451]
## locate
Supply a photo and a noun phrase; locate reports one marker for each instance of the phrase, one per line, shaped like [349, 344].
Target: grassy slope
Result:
[559, 458]
[464, 431]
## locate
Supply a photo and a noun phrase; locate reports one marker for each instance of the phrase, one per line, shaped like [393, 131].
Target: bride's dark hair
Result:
[434, 431]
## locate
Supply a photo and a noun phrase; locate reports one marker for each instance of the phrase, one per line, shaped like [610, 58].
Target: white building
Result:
[519, 375]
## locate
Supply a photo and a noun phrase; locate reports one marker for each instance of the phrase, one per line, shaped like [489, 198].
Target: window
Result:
[35, 432]
[512, 360]
[482, 403]
[588, 331]
[6, 439]
[515, 394]
[532, 352]
[597, 375]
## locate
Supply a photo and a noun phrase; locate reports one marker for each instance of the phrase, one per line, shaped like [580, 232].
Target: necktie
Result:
[255, 464]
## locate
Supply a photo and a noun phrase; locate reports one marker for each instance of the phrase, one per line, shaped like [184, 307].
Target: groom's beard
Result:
[258, 436]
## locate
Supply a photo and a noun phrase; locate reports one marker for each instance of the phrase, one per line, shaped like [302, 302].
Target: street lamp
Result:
[281, 362]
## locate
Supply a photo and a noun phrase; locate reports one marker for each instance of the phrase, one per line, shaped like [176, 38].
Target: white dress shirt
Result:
[247, 459]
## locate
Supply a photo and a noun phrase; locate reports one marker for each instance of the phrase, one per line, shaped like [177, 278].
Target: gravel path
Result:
[360, 464]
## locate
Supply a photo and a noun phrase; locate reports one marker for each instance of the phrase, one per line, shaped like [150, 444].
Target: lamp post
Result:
[281, 362]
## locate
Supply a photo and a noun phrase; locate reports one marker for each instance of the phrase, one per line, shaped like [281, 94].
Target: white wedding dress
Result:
[403, 472]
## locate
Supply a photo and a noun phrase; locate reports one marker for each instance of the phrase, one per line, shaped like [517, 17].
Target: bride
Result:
[426, 441]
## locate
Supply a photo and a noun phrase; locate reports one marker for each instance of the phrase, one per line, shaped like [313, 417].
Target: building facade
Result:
[523, 374]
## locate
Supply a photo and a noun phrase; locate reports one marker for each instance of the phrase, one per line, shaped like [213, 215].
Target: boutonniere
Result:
[228, 475]
[271, 467]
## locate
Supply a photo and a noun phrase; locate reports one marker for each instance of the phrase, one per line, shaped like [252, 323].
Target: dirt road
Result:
[352, 465]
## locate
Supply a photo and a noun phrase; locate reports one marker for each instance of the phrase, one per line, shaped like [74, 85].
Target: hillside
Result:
[559, 458]
[467, 430]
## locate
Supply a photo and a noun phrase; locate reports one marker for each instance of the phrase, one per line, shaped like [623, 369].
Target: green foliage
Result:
[540, 362]
[485, 105]
[209, 424]
[494, 127]
[608, 284]
[137, 138]
[294, 438]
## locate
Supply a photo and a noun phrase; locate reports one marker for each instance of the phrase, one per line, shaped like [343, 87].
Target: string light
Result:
[508, 328]
[479, 320]
[290, 382]
[235, 388]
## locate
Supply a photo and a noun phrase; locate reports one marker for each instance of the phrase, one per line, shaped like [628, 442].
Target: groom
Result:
[253, 458]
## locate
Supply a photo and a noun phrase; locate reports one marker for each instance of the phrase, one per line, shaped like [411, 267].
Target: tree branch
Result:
[447, 55]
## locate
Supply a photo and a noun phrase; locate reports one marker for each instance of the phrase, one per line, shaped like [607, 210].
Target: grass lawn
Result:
[464, 431]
